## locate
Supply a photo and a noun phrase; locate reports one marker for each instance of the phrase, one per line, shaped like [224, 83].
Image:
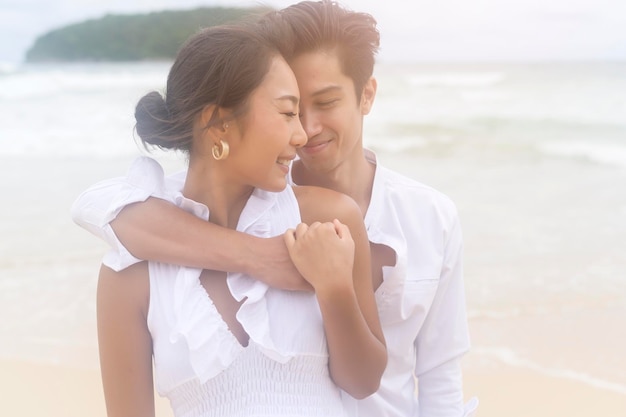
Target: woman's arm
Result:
[335, 259]
[124, 341]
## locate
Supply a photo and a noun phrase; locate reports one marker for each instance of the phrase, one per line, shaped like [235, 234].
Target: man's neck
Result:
[354, 177]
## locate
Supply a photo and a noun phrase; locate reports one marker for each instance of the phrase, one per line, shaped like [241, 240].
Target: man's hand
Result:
[274, 267]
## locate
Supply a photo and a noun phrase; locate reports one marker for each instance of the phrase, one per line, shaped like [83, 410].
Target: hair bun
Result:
[153, 120]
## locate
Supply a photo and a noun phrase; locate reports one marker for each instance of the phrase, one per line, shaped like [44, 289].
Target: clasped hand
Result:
[323, 253]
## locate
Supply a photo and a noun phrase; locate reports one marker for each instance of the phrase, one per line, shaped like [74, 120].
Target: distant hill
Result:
[153, 36]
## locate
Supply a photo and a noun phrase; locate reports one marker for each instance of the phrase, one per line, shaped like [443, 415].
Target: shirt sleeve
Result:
[444, 337]
[96, 207]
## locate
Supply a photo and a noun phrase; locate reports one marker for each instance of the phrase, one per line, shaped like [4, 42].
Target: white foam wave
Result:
[604, 153]
[87, 109]
[7, 68]
[35, 82]
[455, 79]
[397, 145]
[509, 357]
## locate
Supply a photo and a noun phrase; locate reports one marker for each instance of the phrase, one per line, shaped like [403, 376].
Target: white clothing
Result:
[421, 301]
[201, 367]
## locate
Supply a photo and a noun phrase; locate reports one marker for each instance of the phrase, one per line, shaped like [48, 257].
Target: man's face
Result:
[331, 115]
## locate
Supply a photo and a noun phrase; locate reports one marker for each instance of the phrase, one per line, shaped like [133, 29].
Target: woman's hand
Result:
[323, 253]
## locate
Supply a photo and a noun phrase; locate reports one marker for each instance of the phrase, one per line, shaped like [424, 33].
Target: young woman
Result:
[228, 345]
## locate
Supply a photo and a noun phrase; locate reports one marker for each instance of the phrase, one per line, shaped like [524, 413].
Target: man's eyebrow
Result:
[327, 89]
[295, 100]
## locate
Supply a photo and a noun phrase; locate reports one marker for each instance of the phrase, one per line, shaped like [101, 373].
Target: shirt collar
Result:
[373, 209]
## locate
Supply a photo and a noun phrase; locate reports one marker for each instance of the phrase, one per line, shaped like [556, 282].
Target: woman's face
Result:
[262, 150]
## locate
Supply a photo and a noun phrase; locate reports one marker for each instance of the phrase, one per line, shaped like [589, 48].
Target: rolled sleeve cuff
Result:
[100, 204]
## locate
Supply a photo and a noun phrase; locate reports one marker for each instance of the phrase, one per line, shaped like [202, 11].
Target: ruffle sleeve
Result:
[212, 347]
[281, 324]
[253, 314]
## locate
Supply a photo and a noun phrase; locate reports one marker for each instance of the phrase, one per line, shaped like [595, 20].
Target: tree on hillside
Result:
[152, 36]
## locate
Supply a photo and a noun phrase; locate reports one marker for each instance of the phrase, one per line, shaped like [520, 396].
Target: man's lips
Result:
[312, 148]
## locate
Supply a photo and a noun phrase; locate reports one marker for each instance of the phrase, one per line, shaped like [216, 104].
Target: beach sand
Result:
[34, 389]
[31, 389]
[514, 392]
[544, 277]
[543, 266]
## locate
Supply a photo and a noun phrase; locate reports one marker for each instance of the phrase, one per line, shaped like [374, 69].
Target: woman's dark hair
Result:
[220, 65]
[310, 26]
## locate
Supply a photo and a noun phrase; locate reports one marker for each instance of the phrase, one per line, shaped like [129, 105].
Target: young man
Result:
[414, 231]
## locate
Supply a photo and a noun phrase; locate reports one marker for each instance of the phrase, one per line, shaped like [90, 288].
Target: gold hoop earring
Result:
[220, 151]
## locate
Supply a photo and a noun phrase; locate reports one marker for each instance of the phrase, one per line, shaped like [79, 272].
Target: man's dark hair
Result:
[311, 26]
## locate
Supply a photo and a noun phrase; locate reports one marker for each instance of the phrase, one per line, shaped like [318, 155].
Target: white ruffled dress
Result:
[199, 364]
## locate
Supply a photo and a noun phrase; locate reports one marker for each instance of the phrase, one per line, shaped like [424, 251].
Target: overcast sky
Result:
[416, 30]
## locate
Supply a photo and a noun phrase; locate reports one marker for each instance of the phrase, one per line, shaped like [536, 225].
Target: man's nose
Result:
[310, 123]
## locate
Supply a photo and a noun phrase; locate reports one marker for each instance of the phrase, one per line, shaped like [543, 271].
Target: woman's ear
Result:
[210, 117]
[215, 116]
[208, 126]
[368, 94]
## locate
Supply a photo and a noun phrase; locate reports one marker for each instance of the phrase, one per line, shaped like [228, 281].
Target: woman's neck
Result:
[224, 198]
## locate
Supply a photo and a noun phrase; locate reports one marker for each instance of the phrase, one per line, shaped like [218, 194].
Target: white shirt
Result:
[421, 301]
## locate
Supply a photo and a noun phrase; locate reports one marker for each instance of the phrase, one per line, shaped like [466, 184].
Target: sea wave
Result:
[603, 153]
[597, 141]
[37, 81]
[87, 109]
[457, 79]
[8, 68]
[511, 358]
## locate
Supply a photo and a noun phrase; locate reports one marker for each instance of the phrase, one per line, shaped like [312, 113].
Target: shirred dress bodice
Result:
[199, 364]
[255, 385]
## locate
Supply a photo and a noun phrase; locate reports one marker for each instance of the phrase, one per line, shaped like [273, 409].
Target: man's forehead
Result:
[332, 88]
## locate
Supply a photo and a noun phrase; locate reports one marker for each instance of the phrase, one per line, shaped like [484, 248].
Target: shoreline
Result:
[519, 392]
[35, 389]
[533, 158]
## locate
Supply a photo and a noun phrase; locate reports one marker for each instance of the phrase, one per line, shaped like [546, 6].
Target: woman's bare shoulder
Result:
[324, 205]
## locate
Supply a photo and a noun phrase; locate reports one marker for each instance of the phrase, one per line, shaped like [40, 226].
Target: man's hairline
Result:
[331, 50]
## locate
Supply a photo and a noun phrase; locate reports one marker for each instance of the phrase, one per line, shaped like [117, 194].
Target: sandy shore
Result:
[35, 390]
[514, 392]
[537, 287]
[31, 389]
[532, 155]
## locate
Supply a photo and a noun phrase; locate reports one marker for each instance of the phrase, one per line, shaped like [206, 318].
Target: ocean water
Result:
[571, 110]
[534, 155]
